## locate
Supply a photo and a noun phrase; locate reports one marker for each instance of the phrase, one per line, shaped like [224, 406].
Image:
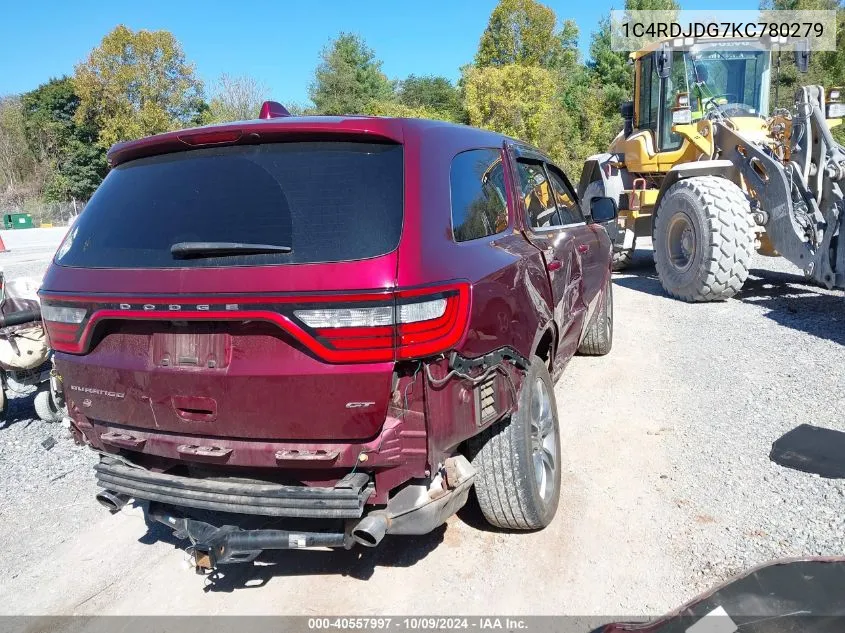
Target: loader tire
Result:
[622, 259]
[599, 337]
[703, 239]
[518, 459]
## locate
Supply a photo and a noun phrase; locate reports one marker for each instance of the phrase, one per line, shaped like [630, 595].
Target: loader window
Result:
[540, 208]
[567, 203]
[675, 83]
[649, 87]
[736, 81]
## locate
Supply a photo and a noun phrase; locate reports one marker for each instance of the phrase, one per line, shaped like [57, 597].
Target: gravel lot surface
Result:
[668, 488]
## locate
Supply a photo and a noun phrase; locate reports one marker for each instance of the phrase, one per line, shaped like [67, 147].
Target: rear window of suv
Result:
[327, 201]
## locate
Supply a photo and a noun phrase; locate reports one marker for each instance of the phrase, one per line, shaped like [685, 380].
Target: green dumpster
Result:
[17, 221]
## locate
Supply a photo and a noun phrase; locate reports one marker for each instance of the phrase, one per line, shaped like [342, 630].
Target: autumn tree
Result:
[348, 78]
[514, 99]
[135, 84]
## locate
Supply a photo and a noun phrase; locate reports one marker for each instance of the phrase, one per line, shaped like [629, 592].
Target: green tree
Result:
[520, 32]
[16, 160]
[610, 69]
[435, 94]
[73, 163]
[135, 84]
[396, 109]
[348, 78]
[236, 98]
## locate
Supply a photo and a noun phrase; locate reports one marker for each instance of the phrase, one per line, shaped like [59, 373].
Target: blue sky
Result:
[276, 42]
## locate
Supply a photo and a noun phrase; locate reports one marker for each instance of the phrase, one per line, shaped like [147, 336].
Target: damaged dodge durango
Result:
[302, 332]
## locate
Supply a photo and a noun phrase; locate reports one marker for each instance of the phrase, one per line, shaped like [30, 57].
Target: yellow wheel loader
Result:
[712, 176]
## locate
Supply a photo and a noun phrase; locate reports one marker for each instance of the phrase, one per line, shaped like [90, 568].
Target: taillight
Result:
[63, 324]
[369, 327]
[416, 323]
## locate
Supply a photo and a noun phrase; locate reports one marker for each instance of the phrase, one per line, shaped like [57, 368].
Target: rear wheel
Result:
[518, 459]
[703, 239]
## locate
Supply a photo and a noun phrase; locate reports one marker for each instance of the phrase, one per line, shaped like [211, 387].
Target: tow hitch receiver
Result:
[213, 546]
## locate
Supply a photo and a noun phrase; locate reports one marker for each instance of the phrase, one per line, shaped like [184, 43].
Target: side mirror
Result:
[802, 56]
[626, 109]
[663, 60]
[603, 210]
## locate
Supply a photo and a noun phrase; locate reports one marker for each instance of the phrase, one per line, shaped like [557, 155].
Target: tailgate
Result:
[223, 379]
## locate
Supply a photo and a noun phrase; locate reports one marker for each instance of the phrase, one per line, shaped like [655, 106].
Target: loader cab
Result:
[708, 79]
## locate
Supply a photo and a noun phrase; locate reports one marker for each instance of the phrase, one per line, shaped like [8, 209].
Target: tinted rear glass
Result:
[328, 201]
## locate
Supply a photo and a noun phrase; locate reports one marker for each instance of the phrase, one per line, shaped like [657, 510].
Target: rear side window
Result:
[479, 201]
[327, 201]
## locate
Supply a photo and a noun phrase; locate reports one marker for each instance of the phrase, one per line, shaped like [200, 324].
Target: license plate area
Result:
[196, 350]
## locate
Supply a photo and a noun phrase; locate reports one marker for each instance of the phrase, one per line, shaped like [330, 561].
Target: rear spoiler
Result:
[368, 129]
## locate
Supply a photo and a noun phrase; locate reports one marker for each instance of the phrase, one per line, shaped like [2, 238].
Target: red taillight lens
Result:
[426, 337]
[417, 323]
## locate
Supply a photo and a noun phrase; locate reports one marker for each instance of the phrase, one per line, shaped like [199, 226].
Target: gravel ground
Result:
[771, 359]
[668, 488]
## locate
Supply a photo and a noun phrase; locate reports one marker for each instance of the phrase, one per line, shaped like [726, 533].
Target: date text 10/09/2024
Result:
[421, 623]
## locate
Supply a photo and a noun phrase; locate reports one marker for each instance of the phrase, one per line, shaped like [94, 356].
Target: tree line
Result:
[527, 79]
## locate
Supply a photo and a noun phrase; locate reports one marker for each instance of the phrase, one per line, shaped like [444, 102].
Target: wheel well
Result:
[545, 348]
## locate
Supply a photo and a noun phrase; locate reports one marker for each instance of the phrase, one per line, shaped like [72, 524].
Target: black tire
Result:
[622, 258]
[506, 482]
[46, 408]
[703, 239]
[599, 337]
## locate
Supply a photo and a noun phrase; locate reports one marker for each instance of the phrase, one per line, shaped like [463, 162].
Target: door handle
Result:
[583, 248]
[554, 265]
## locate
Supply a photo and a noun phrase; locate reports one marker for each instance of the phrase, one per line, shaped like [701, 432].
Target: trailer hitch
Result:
[212, 546]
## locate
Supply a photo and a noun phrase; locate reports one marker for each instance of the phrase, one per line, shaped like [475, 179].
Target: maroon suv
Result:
[331, 328]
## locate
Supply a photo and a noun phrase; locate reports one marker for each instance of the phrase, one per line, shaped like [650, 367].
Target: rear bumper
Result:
[344, 500]
[217, 539]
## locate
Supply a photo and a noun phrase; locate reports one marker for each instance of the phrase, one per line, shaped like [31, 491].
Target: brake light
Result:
[63, 325]
[369, 327]
[213, 137]
[417, 323]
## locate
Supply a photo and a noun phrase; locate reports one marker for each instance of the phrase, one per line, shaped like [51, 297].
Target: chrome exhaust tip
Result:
[370, 530]
[113, 501]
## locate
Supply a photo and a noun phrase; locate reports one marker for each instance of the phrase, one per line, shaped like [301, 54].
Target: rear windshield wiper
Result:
[222, 249]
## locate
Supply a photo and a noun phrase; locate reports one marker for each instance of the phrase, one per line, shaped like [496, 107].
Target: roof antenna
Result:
[272, 110]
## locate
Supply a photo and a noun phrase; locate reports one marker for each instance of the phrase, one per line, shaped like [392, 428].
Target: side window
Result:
[567, 203]
[479, 201]
[540, 208]
[644, 106]
[677, 82]
[649, 105]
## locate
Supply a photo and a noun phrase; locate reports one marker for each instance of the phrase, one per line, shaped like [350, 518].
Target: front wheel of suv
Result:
[518, 459]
